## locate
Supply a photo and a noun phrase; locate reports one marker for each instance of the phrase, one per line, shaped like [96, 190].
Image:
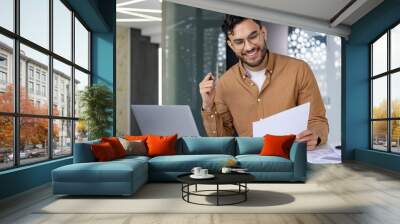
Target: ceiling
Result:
[130, 13]
[317, 9]
[325, 16]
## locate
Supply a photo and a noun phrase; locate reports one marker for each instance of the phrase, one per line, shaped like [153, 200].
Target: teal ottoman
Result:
[118, 177]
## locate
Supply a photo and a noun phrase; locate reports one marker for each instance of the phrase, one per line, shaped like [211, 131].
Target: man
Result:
[261, 84]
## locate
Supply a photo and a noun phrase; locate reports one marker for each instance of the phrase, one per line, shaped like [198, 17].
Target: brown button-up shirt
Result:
[238, 101]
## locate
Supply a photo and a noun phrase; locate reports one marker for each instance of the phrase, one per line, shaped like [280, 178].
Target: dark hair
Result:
[231, 21]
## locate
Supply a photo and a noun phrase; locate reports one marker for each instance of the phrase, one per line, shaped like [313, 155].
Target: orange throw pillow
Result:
[103, 152]
[161, 145]
[277, 145]
[116, 145]
[135, 137]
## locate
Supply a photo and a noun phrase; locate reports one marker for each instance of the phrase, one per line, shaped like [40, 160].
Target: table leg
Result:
[188, 189]
[182, 189]
[196, 188]
[217, 194]
[245, 191]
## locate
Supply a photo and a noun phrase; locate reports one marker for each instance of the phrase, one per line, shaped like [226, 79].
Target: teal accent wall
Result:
[355, 60]
[380, 159]
[24, 178]
[102, 58]
[103, 52]
[99, 16]
[357, 99]
[103, 64]
[91, 12]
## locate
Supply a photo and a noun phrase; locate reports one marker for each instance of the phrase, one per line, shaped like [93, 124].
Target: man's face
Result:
[247, 40]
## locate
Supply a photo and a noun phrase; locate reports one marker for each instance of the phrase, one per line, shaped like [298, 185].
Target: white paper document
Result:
[324, 154]
[291, 121]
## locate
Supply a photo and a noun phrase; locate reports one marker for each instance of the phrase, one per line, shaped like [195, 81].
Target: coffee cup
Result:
[196, 171]
[203, 172]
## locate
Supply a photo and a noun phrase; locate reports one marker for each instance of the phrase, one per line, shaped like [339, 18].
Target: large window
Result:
[385, 92]
[7, 14]
[40, 80]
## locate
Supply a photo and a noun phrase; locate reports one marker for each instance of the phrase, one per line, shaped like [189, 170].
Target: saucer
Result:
[208, 176]
[240, 171]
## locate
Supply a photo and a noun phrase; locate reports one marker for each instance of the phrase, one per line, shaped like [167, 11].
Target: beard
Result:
[262, 51]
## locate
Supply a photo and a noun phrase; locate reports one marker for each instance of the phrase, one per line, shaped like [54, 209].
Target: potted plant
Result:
[96, 102]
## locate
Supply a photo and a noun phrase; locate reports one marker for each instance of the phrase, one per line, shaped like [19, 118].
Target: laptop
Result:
[165, 120]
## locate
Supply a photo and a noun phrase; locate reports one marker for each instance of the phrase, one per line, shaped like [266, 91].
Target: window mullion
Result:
[50, 82]
[389, 106]
[371, 142]
[16, 84]
[73, 82]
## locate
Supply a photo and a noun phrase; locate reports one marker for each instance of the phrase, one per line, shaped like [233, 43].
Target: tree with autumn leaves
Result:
[380, 127]
[33, 131]
[6, 122]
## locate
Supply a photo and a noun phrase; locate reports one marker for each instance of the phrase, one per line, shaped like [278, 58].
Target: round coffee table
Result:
[238, 179]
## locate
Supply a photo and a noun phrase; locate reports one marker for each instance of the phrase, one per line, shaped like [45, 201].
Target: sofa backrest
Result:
[206, 145]
[190, 146]
[83, 152]
[249, 145]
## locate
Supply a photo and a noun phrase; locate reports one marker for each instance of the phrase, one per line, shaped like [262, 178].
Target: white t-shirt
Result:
[258, 77]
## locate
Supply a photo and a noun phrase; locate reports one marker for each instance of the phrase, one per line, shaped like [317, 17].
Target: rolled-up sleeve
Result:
[218, 121]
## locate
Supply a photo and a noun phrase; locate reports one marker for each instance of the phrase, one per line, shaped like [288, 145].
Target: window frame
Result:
[388, 74]
[16, 114]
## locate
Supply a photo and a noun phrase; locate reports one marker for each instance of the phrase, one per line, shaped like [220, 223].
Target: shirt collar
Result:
[269, 69]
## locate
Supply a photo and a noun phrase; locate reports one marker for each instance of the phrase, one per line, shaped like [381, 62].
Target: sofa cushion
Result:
[207, 145]
[277, 145]
[116, 145]
[135, 137]
[161, 145]
[185, 163]
[257, 163]
[103, 152]
[112, 171]
[132, 158]
[249, 145]
[134, 147]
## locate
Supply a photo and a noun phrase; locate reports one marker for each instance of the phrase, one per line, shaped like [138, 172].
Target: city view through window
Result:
[385, 92]
[39, 113]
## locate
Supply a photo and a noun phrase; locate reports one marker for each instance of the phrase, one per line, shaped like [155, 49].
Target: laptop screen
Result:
[165, 120]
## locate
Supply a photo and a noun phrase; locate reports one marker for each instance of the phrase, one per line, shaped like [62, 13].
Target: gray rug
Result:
[166, 198]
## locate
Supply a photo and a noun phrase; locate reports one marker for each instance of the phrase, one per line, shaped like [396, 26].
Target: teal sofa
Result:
[125, 176]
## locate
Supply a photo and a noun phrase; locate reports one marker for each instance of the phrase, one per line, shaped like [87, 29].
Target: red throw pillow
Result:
[277, 145]
[134, 138]
[161, 145]
[103, 152]
[116, 145]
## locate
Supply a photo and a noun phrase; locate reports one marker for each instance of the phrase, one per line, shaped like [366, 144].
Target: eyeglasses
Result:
[253, 38]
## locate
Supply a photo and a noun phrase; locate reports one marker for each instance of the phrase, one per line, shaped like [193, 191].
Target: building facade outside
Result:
[34, 91]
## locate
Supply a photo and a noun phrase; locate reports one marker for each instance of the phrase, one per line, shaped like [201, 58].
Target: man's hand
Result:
[207, 91]
[308, 136]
